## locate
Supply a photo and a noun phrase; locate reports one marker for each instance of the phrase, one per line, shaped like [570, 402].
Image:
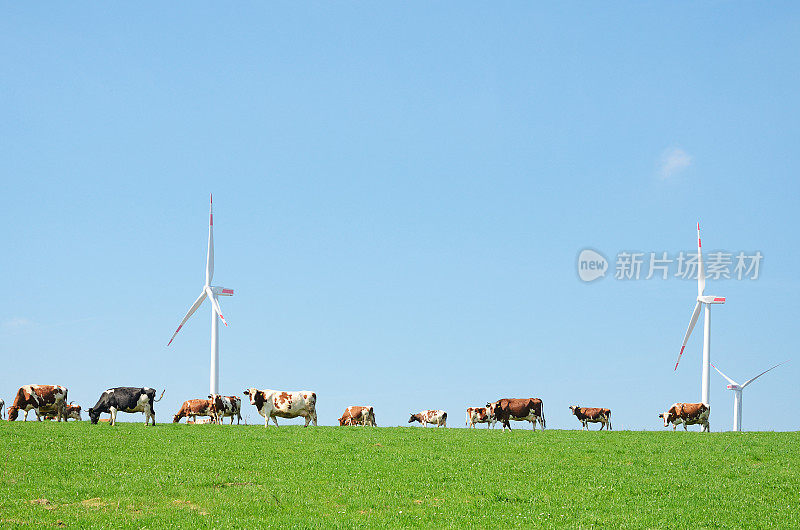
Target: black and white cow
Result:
[2, 406]
[126, 399]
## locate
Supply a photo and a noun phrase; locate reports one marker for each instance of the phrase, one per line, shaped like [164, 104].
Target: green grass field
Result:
[210, 476]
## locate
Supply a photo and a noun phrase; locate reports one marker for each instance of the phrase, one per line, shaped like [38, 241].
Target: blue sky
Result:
[401, 193]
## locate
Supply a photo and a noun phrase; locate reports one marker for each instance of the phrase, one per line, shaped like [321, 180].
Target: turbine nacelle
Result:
[711, 299]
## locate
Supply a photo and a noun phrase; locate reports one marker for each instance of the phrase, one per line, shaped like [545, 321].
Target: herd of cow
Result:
[50, 402]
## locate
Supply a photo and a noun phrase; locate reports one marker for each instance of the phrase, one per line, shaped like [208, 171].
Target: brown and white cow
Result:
[480, 415]
[192, 408]
[587, 415]
[278, 404]
[358, 415]
[41, 399]
[434, 417]
[224, 406]
[528, 409]
[688, 414]
[73, 412]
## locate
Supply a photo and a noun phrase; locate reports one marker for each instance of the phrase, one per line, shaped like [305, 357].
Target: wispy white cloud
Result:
[673, 161]
[16, 323]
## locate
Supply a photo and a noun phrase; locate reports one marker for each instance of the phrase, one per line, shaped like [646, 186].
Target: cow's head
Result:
[668, 417]
[251, 392]
[13, 412]
[415, 417]
[575, 409]
[94, 416]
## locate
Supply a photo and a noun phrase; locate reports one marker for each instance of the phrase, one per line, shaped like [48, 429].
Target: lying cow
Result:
[192, 408]
[42, 399]
[529, 409]
[73, 412]
[126, 399]
[358, 415]
[688, 414]
[480, 415]
[224, 406]
[277, 404]
[587, 415]
[434, 417]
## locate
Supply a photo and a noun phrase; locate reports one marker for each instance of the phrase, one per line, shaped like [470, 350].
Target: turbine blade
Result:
[689, 331]
[215, 303]
[762, 373]
[190, 313]
[210, 256]
[731, 381]
[701, 277]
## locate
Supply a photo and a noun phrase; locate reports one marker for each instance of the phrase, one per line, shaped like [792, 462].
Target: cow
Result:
[434, 417]
[192, 408]
[278, 404]
[42, 399]
[72, 412]
[358, 415]
[126, 399]
[688, 414]
[2, 406]
[587, 415]
[528, 409]
[480, 415]
[223, 406]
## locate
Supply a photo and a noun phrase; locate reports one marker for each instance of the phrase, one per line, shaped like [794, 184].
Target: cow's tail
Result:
[162, 395]
[544, 423]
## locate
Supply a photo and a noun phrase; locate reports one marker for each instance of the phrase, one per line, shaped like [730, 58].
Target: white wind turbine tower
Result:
[737, 394]
[701, 301]
[212, 293]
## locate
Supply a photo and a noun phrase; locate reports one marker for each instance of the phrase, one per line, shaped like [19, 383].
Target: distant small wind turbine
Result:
[737, 394]
[707, 301]
[212, 293]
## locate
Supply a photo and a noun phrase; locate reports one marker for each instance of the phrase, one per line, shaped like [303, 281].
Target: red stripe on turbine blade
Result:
[227, 291]
[211, 219]
[719, 299]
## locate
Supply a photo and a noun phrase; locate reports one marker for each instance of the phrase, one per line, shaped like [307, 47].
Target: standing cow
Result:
[688, 414]
[588, 415]
[192, 408]
[480, 415]
[126, 399]
[277, 404]
[42, 399]
[72, 412]
[434, 417]
[358, 415]
[224, 406]
[529, 409]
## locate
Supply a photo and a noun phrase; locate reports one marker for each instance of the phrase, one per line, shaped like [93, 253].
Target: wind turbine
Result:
[737, 394]
[702, 300]
[212, 293]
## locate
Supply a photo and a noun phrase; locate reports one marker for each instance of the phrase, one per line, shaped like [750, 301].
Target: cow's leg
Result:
[266, 421]
[238, 418]
[113, 412]
[308, 420]
[314, 419]
[275, 420]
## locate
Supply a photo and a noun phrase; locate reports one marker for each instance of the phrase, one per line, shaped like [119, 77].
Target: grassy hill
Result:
[247, 476]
